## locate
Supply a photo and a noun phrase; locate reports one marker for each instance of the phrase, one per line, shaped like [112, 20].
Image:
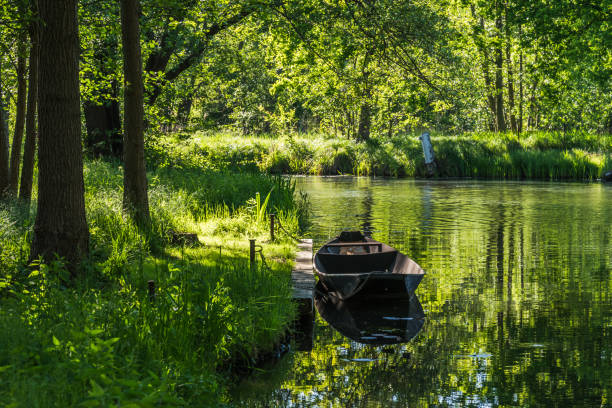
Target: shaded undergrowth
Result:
[103, 340]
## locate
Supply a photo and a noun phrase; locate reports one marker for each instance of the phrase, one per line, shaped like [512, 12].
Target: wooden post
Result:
[252, 253]
[430, 161]
[272, 216]
[151, 286]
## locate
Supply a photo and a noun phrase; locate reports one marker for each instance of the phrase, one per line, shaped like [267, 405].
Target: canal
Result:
[516, 304]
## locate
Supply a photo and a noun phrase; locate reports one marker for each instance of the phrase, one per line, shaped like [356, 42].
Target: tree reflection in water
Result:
[517, 299]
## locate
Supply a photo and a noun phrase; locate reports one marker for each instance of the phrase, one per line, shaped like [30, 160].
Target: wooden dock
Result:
[303, 282]
[302, 276]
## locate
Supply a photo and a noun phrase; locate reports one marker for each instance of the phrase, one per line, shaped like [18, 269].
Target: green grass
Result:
[100, 341]
[533, 155]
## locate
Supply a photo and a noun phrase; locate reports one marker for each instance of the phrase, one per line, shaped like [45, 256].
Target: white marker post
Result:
[430, 161]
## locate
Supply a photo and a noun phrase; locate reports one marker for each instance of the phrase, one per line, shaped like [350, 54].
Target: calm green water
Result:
[517, 299]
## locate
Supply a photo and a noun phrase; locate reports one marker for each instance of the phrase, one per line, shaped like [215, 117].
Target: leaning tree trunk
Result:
[19, 116]
[60, 227]
[135, 199]
[29, 149]
[4, 146]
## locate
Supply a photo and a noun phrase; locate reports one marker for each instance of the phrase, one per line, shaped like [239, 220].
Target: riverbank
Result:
[104, 340]
[534, 155]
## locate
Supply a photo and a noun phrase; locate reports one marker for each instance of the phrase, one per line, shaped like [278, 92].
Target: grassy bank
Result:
[101, 341]
[536, 155]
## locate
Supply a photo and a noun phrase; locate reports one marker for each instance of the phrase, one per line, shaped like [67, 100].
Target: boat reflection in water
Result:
[377, 322]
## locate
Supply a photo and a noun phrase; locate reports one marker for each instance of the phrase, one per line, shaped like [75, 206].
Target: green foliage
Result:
[16, 223]
[533, 155]
[311, 66]
[101, 341]
[98, 348]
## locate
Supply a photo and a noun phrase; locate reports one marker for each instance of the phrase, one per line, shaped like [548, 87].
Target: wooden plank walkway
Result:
[303, 282]
[302, 276]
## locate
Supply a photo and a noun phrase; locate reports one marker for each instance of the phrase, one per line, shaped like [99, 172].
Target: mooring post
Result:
[272, 216]
[151, 286]
[430, 161]
[252, 253]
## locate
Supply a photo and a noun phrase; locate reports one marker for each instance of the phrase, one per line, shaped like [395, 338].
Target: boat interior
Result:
[352, 252]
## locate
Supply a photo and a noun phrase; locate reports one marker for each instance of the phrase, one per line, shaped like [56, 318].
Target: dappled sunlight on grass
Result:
[103, 339]
[532, 155]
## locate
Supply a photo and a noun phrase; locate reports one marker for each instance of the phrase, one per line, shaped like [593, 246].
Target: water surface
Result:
[517, 298]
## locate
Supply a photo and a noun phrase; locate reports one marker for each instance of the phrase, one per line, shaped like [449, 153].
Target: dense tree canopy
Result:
[348, 68]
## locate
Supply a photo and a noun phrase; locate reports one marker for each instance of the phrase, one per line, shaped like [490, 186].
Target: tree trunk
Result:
[365, 120]
[349, 124]
[520, 120]
[101, 110]
[531, 116]
[510, 73]
[19, 116]
[184, 108]
[135, 200]
[499, 82]
[29, 149]
[103, 125]
[485, 67]
[61, 226]
[4, 146]
[4, 107]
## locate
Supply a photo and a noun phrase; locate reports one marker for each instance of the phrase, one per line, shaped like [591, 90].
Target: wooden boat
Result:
[375, 323]
[352, 264]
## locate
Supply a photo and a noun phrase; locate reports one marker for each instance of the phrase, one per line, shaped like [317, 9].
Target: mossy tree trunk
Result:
[61, 226]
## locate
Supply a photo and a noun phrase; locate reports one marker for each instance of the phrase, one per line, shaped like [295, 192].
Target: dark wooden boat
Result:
[375, 323]
[353, 264]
